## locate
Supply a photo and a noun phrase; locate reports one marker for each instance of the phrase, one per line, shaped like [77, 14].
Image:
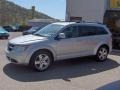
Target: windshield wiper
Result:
[39, 35]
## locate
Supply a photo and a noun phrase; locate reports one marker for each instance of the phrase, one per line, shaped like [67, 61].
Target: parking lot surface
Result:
[74, 74]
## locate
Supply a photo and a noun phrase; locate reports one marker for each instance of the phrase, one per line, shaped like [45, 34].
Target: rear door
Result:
[90, 37]
[87, 41]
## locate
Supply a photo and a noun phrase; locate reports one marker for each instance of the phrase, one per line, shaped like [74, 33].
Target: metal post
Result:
[33, 12]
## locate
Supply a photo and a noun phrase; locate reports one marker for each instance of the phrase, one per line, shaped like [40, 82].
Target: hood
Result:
[27, 39]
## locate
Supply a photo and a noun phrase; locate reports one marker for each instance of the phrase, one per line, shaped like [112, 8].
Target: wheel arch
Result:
[102, 45]
[44, 49]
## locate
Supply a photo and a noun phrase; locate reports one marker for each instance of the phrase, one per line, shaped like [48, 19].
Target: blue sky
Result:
[53, 8]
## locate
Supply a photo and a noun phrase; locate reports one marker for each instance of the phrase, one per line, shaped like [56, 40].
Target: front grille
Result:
[10, 47]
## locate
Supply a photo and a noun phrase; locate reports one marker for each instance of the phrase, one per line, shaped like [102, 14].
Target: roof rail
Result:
[96, 22]
[80, 22]
[90, 22]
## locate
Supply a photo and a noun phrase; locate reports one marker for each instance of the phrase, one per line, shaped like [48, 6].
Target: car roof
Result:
[64, 23]
[79, 23]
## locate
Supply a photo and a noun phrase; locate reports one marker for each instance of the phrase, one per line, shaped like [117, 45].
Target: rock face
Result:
[11, 13]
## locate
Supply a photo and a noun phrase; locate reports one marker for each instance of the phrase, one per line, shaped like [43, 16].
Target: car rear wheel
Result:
[102, 54]
[41, 61]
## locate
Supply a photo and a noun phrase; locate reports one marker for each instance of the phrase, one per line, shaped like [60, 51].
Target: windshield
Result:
[49, 30]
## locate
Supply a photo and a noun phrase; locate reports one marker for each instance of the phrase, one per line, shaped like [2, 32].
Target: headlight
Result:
[20, 48]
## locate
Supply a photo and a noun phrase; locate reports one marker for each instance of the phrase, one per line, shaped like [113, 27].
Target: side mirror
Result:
[60, 36]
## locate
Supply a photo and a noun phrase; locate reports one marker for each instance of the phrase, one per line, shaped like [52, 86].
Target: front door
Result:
[66, 48]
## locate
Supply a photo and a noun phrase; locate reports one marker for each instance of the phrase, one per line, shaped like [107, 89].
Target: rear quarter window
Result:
[100, 31]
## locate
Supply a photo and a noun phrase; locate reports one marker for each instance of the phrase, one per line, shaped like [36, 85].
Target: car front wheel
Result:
[41, 61]
[102, 54]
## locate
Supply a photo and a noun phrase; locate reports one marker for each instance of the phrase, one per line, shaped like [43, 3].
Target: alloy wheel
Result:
[42, 62]
[102, 53]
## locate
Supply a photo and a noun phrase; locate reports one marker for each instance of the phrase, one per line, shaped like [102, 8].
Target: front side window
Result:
[71, 32]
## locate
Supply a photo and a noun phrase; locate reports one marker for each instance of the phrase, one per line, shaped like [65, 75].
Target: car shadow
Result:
[65, 70]
[111, 86]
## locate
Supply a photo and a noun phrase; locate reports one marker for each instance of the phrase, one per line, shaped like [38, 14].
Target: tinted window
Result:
[100, 30]
[71, 32]
[91, 30]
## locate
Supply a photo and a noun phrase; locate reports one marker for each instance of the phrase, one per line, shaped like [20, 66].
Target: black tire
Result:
[35, 59]
[102, 54]
[5, 37]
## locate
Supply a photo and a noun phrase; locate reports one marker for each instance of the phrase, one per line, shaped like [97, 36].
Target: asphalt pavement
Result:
[74, 74]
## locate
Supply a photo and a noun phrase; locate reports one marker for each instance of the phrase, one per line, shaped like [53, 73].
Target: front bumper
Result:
[17, 57]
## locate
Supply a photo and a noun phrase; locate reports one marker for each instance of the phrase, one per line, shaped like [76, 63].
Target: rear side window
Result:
[91, 30]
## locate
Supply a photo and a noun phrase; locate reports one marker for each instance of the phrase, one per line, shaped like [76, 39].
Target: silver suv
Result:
[59, 41]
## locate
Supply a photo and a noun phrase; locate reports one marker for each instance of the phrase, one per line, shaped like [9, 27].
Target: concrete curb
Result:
[115, 50]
